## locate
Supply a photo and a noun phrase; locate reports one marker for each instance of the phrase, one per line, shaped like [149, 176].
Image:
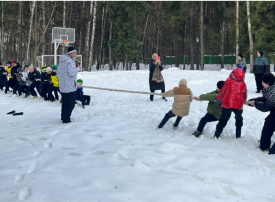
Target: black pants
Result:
[16, 87]
[31, 88]
[167, 116]
[258, 79]
[68, 103]
[53, 89]
[10, 84]
[23, 89]
[152, 96]
[85, 99]
[226, 113]
[206, 119]
[1, 86]
[267, 133]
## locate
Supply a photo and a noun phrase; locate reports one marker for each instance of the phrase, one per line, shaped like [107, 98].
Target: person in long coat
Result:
[156, 81]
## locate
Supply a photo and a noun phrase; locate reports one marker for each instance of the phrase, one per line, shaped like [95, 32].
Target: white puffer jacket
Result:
[67, 74]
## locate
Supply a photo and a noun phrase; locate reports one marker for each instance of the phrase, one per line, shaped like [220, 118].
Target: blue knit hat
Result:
[240, 66]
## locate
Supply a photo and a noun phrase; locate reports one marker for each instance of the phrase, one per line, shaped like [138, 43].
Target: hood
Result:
[64, 58]
[237, 74]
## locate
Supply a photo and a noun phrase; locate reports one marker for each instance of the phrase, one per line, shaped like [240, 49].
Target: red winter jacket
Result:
[234, 92]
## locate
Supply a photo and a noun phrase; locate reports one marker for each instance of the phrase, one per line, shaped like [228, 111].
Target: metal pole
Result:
[197, 55]
[55, 59]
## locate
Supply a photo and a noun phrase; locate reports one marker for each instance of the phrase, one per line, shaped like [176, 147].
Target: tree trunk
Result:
[19, 38]
[190, 41]
[101, 40]
[202, 38]
[250, 37]
[30, 33]
[222, 37]
[64, 21]
[2, 33]
[87, 42]
[35, 37]
[110, 50]
[92, 38]
[81, 29]
[44, 27]
[237, 30]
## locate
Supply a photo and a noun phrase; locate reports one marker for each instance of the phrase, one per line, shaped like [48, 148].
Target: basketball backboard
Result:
[59, 34]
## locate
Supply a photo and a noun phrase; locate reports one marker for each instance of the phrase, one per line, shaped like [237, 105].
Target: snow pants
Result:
[226, 113]
[68, 103]
[31, 88]
[267, 132]
[85, 99]
[16, 88]
[167, 116]
[204, 120]
[52, 89]
[258, 79]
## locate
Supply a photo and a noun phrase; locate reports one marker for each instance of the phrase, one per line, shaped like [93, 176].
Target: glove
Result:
[219, 102]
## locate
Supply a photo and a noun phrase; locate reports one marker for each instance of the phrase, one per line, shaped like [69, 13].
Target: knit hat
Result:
[43, 69]
[220, 84]
[183, 81]
[240, 66]
[26, 66]
[54, 67]
[240, 55]
[19, 70]
[79, 80]
[49, 69]
[71, 50]
[9, 62]
[14, 61]
[261, 52]
[269, 79]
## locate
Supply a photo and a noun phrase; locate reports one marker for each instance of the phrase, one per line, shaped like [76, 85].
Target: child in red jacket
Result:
[232, 96]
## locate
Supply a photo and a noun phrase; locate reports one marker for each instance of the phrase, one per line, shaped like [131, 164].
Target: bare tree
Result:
[110, 50]
[87, 38]
[81, 28]
[222, 37]
[64, 20]
[102, 38]
[30, 34]
[92, 38]
[35, 36]
[2, 33]
[202, 39]
[237, 29]
[250, 37]
[43, 26]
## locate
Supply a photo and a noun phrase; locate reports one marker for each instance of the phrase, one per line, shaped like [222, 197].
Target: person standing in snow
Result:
[14, 72]
[260, 67]
[182, 99]
[26, 80]
[264, 104]
[67, 74]
[214, 109]
[241, 61]
[34, 77]
[3, 77]
[232, 96]
[45, 82]
[156, 81]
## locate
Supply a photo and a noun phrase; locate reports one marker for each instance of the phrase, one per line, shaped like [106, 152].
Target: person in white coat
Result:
[67, 73]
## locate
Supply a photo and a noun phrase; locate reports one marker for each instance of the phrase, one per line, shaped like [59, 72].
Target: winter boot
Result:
[217, 135]
[175, 128]
[34, 97]
[238, 132]
[19, 113]
[272, 150]
[258, 91]
[151, 97]
[197, 133]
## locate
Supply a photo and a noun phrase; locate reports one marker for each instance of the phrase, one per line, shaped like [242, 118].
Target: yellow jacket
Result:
[8, 69]
[55, 81]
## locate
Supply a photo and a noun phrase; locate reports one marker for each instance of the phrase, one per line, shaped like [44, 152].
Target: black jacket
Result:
[3, 77]
[14, 71]
[154, 85]
[34, 75]
[261, 65]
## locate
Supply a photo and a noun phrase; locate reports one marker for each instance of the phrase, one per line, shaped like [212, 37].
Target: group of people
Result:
[229, 96]
[30, 81]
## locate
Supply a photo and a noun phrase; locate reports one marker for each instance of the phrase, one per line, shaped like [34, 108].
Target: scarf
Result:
[157, 76]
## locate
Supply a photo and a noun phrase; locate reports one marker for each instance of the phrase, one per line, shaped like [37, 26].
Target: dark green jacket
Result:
[213, 107]
[261, 65]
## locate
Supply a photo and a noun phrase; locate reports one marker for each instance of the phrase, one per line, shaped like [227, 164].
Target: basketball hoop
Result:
[66, 43]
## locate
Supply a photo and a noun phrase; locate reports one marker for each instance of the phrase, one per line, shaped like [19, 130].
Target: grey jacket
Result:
[241, 62]
[67, 74]
[25, 78]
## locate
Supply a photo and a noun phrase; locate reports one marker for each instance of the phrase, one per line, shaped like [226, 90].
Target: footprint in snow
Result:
[36, 153]
[18, 178]
[197, 177]
[73, 154]
[228, 191]
[67, 148]
[1, 138]
[48, 144]
[99, 136]
[239, 164]
[33, 167]
[99, 153]
[24, 193]
[160, 152]
[223, 181]
[179, 168]
[53, 133]
[182, 149]
[121, 157]
[23, 139]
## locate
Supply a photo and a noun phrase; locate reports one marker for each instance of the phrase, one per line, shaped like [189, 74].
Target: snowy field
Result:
[112, 152]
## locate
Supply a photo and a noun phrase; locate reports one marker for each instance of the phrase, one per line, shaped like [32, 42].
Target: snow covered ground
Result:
[112, 152]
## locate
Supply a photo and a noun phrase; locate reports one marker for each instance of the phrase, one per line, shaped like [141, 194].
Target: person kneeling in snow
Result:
[54, 84]
[182, 98]
[266, 103]
[214, 109]
[232, 96]
[85, 99]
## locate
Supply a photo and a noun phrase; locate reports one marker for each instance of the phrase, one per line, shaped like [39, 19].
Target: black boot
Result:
[238, 132]
[151, 97]
[217, 135]
[272, 150]
[258, 91]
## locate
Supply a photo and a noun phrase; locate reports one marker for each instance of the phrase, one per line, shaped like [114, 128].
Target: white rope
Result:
[123, 91]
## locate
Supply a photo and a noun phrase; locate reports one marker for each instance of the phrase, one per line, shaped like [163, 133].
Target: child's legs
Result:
[239, 118]
[80, 98]
[166, 118]
[87, 99]
[1, 86]
[15, 88]
[49, 91]
[177, 121]
[226, 113]
[204, 120]
[267, 133]
[56, 92]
